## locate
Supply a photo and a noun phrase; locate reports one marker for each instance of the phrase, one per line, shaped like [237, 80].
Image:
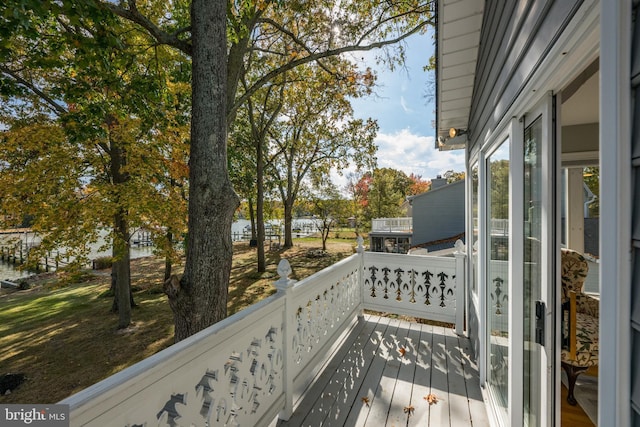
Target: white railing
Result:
[499, 227]
[254, 365]
[416, 285]
[392, 224]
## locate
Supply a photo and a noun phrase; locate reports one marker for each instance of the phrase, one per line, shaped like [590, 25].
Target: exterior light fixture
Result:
[454, 141]
[453, 132]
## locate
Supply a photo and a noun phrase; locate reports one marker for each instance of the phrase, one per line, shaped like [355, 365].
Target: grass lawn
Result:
[62, 336]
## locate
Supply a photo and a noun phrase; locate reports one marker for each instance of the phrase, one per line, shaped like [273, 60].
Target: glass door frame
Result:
[546, 111]
[513, 131]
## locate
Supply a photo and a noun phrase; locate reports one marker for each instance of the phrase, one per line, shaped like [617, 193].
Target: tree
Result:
[387, 191]
[199, 299]
[350, 27]
[417, 185]
[317, 133]
[94, 124]
[357, 188]
[592, 180]
[202, 31]
[242, 168]
[251, 130]
[452, 176]
[328, 207]
[499, 174]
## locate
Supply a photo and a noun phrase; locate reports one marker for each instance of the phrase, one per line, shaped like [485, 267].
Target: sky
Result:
[406, 115]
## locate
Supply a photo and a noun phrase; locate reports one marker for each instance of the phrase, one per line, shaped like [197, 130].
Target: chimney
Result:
[438, 182]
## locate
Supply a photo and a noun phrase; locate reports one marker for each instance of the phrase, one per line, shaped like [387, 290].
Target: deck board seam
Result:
[367, 364]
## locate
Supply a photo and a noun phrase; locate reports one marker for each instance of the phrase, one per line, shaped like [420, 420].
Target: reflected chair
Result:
[579, 320]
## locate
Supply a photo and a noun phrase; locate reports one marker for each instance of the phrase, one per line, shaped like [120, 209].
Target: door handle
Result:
[540, 329]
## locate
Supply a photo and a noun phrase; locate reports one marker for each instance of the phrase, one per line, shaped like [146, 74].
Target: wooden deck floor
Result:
[385, 374]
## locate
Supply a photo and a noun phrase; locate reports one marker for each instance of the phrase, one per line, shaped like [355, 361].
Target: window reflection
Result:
[498, 270]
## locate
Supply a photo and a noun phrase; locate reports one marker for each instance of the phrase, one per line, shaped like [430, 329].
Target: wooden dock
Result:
[395, 373]
[14, 230]
[19, 254]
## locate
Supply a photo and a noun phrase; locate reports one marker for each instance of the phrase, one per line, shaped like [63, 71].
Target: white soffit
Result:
[459, 24]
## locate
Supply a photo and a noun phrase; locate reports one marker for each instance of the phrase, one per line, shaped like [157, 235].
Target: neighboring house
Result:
[534, 91]
[392, 235]
[438, 213]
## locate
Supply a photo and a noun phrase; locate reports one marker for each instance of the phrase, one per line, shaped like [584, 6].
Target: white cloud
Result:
[411, 153]
[416, 154]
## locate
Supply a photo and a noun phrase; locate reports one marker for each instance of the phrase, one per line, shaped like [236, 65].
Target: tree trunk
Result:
[252, 217]
[199, 299]
[288, 198]
[121, 264]
[262, 262]
[121, 278]
[288, 220]
[324, 233]
[168, 265]
[121, 271]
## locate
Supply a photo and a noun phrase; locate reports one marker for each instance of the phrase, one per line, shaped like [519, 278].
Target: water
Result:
[10, 271]
[240, 230]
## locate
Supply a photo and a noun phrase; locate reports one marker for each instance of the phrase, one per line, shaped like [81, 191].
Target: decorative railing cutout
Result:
[247, 369]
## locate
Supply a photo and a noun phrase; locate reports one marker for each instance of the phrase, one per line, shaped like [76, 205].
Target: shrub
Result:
[102, 262]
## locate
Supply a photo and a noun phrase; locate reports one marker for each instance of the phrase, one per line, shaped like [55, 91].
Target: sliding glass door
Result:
[518, 270]
[497, 279]
[532, 267]
[538, 263]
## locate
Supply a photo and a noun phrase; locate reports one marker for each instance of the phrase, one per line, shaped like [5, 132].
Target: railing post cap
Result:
[284, 270]
[460, 248]
[360, 247]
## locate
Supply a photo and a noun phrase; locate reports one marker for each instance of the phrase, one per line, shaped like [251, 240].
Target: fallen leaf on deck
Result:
[431, 398]
[402, 351]
[365, 400]
[409, 410]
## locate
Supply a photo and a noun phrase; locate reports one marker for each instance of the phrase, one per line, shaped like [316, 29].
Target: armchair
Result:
[579, 320]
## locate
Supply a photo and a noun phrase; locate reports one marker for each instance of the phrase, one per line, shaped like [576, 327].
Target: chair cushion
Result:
[588, 305]
[586, 342]
[574, 270]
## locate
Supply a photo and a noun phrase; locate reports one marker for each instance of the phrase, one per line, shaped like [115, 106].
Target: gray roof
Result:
[443, 188]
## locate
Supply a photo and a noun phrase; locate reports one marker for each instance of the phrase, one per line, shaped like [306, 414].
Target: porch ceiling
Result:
[459, 24]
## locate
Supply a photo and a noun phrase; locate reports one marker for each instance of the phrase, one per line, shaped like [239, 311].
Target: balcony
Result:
[392, 224]
[309, 355]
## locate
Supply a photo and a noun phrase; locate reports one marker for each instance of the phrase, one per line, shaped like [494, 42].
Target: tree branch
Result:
[55, 107]
[133, 14]
[315, 57]
[383, 21]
